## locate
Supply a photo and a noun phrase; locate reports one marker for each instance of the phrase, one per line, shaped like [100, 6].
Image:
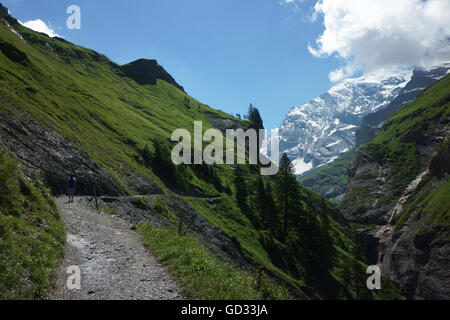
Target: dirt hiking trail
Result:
[113, 262]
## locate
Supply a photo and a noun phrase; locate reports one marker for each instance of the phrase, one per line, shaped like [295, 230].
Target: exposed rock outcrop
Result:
[145, 71]
[54, 158]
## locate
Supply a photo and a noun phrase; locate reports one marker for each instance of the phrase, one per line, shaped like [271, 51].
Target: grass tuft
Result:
[202, 275]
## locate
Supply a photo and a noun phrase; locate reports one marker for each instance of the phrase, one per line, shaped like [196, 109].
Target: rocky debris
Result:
[223, 124]
[114, 264]
[54, 158]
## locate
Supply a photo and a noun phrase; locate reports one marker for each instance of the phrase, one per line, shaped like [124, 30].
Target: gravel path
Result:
[114, 264]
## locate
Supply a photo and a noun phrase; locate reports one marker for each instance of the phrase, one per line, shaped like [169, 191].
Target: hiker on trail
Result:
[71, 184]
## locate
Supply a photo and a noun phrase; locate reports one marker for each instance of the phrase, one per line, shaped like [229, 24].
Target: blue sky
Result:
[226, 53]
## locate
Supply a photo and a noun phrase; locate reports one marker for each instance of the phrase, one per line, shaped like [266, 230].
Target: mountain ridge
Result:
[318, 132]
[147, 71]
[67, 110]
[420, 80]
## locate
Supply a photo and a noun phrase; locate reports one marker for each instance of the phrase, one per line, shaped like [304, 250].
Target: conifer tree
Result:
[266, 208]
[241, 189]
[287, 191]
[255, 118]
[327, 250]
[271, 212]
[358, 274]
[260, 200]
[256, 122]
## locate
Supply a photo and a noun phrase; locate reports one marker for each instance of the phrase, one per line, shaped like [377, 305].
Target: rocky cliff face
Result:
[398, 188]
[53, 158]
[318, 132]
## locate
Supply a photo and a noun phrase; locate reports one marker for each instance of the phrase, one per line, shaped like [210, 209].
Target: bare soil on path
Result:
[113, 262]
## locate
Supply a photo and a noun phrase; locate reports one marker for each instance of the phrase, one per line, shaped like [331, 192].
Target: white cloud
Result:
[40, 26]
[376, 35]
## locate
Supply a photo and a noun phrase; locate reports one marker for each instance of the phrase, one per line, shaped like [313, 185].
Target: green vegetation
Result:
[398, 141]
[31, 234]
[432, 204]
[161, 207]
[357, 198]
[330, 180]
[383, 200]
[125, 128]
[111, 211]
[437, 222]
[83, 96]
[140, 203]
[319, 265]
[202, 275]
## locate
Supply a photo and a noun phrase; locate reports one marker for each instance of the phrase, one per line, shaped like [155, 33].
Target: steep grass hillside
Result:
[67, 109]
[85, 98]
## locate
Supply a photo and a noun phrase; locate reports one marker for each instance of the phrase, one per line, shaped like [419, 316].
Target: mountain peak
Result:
[147, 71]
[317, 132]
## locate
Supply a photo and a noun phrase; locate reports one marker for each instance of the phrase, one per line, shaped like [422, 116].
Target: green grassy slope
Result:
[31, 234]
[398, 146]
[84, 97]
[330, 180]
[202, 275]
[431, 202]
[261, 251]
[409, 128]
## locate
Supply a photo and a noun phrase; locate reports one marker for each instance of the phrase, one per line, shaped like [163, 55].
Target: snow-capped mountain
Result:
[316, 133]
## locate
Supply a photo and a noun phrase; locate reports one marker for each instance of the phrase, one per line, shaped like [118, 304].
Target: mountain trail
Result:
[112, 260]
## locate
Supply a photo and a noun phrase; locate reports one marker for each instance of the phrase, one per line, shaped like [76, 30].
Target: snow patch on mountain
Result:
[301, 166]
